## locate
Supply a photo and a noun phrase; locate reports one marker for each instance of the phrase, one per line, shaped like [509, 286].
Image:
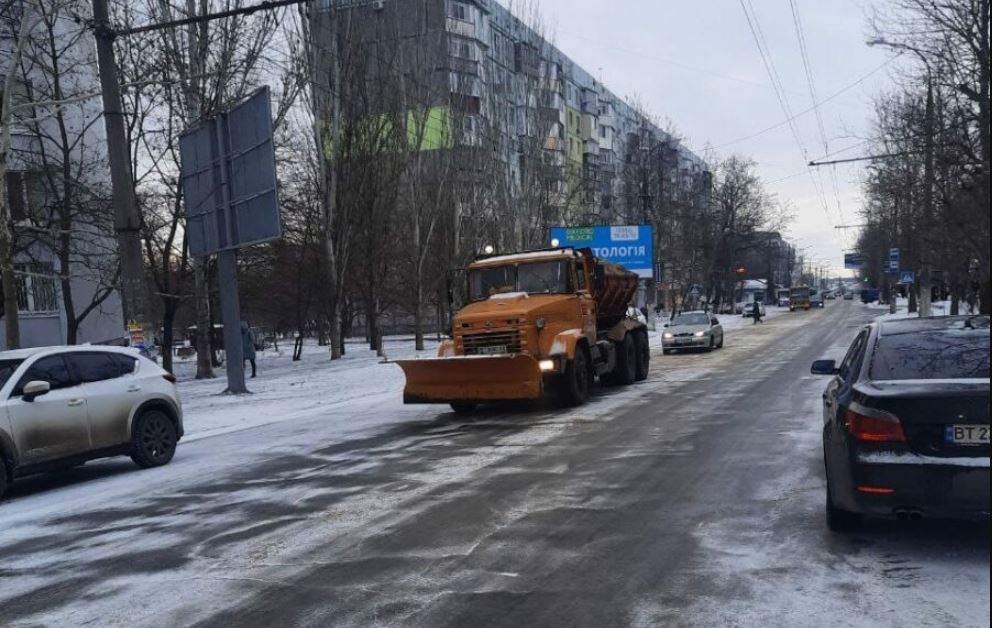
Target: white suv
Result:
[62, 406]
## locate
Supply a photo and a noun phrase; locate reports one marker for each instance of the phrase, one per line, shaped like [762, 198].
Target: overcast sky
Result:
[696, 64]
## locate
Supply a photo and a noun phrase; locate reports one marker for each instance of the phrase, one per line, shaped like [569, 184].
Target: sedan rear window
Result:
[940, 354]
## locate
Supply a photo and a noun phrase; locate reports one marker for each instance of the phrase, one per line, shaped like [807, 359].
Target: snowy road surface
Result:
[694, 498]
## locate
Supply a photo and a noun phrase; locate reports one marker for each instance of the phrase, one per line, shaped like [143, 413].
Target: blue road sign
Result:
[630, 245]
[907, 277]
[893, 265]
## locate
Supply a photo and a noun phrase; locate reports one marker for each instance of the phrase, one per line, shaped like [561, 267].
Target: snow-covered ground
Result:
[285, 390]
[938, 308]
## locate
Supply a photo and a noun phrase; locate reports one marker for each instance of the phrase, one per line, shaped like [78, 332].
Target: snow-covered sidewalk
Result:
[938, 308]
[285, 390]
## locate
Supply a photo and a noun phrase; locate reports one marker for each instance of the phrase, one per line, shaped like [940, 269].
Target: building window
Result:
[36, 288]
[459, 11]
[602, 132]
[462, 48]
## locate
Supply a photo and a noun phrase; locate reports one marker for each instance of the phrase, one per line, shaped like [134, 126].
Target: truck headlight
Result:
[667, 335]
[699, 334]
[546, 365]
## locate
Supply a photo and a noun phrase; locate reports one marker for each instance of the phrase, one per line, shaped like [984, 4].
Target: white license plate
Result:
[495, 349]
[966, 434]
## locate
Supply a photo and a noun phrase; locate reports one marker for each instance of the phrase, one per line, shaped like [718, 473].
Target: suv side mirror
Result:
[824, 367]
[35, 388]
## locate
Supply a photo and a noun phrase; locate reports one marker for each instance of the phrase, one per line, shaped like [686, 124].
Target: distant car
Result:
[747, 310]
[848, 296]
[830, 295]
[870, 295]
[692, 330]
[62, 406]
[906, 422]
[816, 299]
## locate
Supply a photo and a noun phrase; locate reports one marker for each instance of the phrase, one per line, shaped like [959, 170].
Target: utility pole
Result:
[127, 220]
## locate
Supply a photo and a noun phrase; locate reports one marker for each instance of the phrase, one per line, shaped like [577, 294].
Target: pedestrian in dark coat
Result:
[248, 345]
[756, 312]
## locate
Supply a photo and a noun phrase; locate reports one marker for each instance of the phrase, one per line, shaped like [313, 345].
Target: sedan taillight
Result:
[873, 426]
[169, 377]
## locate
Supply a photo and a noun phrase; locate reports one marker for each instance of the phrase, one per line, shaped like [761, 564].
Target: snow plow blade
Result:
[471, 379]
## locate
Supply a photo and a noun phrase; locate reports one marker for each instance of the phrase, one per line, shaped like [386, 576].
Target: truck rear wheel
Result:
[626, 371]
[643, 349]
[573, 388]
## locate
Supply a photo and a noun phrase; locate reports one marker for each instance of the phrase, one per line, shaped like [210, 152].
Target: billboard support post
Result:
[230, 310]
[228, 175]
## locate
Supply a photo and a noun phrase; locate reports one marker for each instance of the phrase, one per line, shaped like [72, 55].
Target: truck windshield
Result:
[539, 278]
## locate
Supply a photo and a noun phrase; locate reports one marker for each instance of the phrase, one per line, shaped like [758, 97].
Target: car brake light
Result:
[169, 377]
[876, 490]
[874, 426]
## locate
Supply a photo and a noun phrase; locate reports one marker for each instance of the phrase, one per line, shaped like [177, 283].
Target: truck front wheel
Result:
[574, 385]
[463, 408]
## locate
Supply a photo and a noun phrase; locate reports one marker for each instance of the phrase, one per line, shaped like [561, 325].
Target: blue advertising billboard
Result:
[630, 245]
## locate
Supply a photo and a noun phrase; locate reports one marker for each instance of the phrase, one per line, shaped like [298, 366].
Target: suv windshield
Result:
[691, 319]
[945, 354]
[537, 278]
[7, 368]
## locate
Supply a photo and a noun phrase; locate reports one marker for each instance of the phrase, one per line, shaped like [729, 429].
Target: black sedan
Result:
[906, 422]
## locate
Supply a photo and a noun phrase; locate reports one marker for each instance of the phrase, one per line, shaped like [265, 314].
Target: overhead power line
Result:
[865, 158]
[265, 5]
[765, 53]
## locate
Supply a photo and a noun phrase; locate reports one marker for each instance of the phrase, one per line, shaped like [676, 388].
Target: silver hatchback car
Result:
[62, 406]
[692, 330]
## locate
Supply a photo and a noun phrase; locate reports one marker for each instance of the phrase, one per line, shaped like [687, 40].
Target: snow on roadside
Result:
[938, 308]
[285, 390]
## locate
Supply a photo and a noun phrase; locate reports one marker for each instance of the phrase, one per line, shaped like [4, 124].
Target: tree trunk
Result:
[985, 296]
[418, 317]
[204, 359]
[71, 324]
[168, 320]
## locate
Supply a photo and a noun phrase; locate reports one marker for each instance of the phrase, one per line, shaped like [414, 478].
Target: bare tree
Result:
[198, 70]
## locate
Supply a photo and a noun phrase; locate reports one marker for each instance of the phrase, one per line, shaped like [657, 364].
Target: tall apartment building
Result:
[65, 276]
[568, 150]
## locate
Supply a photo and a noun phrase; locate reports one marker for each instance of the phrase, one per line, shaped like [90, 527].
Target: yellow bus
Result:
[799, 298]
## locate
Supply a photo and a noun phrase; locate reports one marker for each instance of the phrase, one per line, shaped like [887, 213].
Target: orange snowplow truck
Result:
[538, 321]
